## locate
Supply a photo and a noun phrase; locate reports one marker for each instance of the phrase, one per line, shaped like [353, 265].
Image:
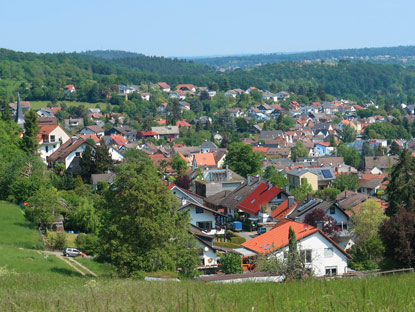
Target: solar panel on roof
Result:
[326, 173]
[306, 205]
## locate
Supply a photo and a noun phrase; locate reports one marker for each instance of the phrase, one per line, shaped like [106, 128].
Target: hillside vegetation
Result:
[389, 55]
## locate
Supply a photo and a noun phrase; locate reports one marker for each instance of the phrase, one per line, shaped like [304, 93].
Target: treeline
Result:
[373, 54]
[42, 76]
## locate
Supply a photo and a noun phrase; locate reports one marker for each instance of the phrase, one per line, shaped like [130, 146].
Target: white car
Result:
[71, 252]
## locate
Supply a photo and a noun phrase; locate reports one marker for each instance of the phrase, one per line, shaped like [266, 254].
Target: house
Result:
[126, 132]
[380, 162]
[208, 252]
[186, 87]
[203, 160]
[207, 146]
[45, 112]
[209, 220]
[282, 96]
[177, 95]
[270, 134]
[318, 252]
[260, 201]
[123, 90]
[73, 122]
[370, 183]
[69, 89]
[102, 177]
[68, 152]
[296, 176]
[185, 196]
[50, 138]
[217, 180]
[182, 124]
[145, 96]
[265, 109]
[98, 131]
[323, 149]
[268, 96]
[146, 134]
[235, 112]
[168, 133]
[47, 120]
[164, 86]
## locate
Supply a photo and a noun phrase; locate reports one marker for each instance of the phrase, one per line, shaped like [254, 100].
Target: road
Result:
[80, 268]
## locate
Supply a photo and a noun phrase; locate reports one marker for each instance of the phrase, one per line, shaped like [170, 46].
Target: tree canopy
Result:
[243, 160]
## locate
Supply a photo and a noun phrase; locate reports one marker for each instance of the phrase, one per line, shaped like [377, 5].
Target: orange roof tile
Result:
[205, 159]
[282, 210]
[278, 237]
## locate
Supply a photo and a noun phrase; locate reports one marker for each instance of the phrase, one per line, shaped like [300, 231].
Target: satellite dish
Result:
[206, 249]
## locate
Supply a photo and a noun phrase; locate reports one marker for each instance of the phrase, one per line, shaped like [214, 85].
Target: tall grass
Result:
[42, 293]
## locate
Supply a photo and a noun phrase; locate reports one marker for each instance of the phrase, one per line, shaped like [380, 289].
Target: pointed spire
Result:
[19, 118]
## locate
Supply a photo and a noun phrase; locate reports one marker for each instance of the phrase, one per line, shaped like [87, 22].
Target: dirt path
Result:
[71, 265]
[82, 266]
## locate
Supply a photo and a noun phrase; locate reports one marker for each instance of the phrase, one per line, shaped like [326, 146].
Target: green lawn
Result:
[20, 242]
[36, 105]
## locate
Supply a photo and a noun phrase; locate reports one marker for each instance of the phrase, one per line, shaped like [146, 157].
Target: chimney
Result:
[269, 185]
[290, 201]
[227, 173]
[249, 179]
[309, 197]
[287, 188]
[320, 225]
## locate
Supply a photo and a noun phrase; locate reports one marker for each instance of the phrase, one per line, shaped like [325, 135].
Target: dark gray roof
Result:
[208, 144]
[106, 177]
[270, 134]
[381, 162]
[306, 207]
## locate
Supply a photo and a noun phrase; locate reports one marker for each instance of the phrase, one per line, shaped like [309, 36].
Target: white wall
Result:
[207, 255]
[60, 138]
[206, 216]
[317, 243]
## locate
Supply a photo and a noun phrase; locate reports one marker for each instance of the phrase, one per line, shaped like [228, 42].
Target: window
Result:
[328, 252]
[306, 255]
[331, 271]
[204, 225]
[199, 210]
[46, 149]
[52, 138]
[332, 210]
[77, 154]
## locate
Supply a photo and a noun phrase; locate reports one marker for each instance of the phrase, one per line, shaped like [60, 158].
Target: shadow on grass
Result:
[66, 272]
[26, 225]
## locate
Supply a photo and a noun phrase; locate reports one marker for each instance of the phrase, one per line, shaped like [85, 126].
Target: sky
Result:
[204, 28]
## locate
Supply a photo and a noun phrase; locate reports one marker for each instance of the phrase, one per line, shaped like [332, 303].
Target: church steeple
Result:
[19, 118]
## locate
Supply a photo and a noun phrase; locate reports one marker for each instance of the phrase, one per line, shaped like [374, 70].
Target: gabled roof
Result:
[119, 140]
[204, 159]
[283, 210]
[65, 149]
[163, 85]
[203, 207]
[95, 128]
[90, 136]
[277, 238]
[262, 195]
[45, 129]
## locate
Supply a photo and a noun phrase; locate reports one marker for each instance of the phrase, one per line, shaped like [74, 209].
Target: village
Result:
[231, 212]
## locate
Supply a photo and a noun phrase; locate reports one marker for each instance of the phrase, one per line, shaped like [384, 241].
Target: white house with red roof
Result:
[50, 138]
[318, 252]
[164, 86]
[68, 89]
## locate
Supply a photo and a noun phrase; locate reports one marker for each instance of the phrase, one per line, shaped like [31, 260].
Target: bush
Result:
[231, 263]
[87, 243]
[56, 241]
[138, 275]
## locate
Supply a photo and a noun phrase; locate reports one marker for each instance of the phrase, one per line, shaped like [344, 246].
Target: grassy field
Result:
[32, 281]
[36, 105]
[34, 292]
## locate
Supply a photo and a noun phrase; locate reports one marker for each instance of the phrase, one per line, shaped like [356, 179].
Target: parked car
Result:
[71, 252]
[261, 230]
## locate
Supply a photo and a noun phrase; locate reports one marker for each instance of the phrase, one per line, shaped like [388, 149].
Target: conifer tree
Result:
[29, 142]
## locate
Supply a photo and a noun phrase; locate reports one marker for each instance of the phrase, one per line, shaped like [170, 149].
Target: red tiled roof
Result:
[161, 122]
[262, 195]
[182, 123]
[282, 210]
[278, 237]
[185, 86]
[146, 133]
[163, 85]
[46, 129]
[260, 149]
[205, 159]
[119, 139]
[90, 136]
[323, 143]
[55, 110]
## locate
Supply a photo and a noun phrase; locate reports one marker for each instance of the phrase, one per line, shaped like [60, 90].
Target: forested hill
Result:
[111, 54]
[42, 76]
[390, 55]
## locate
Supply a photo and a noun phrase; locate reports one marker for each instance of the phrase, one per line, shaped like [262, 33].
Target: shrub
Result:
[237, 240]
[138, 275]
[226, 245]
[59, 241]
[88, 243]
[231, 263]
